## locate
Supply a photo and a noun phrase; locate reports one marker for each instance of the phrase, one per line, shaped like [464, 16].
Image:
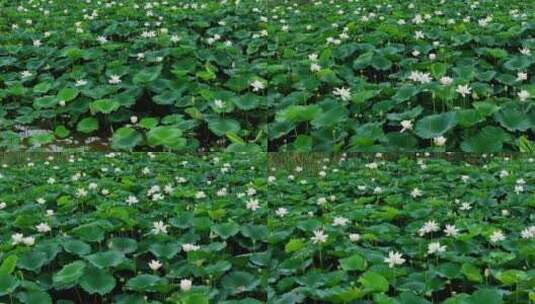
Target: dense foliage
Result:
[407, 231]
[173, 75]
[134, 228]
[366, 75]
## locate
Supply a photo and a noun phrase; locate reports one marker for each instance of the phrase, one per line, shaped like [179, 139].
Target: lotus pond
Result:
[133, 75]
[363, 75]
[133, 228]
[401, 230]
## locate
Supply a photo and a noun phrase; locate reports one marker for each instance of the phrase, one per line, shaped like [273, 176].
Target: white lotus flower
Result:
[354, 237]
[132, 200]
[81, 192]
[497, 236]
[528, 233]
[114, 79]
[257, 85]
[420, 77]
[435, 247]
[419, 35]
[523, 95]
[525, 51]
[394, 258]
[340, 221]
[220, 104]
[28, 241]
[102, 39]
[343, 93]
[451, 230]
[282, 212]
[159, 227]
[521, 76]
[253, 204]
[406, 125]
[17, 238]
[26, 74]
[200, 195]
[416, 193]
[464, 90]
[439, 141]
[43, 228]
[155, 265]
[185, 285]
[190, 247]
[446, 80]
[428, 227]
[319, 237]
[465, 206]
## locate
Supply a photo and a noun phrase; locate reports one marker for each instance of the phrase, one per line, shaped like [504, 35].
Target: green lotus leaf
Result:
[45, 102]
[381, 63]
[105, 106]
[438, 69]
[488, 140]
[67, 94]
[255, 232]
[76, 247]
[167, 97]
[43, 87]
[69, 275]
[34, 297]
[471, 272]
[8, 284]
[32, 261]
[164, 250]
[435, 125]
[87, 125]
[9, 264]
[363, 61]
[147, 75]
[106, 259]
[194, 298]
[89, 233]
[362, 96]
[97, 281]
[518, 63]
[333, 116]
[226, 230]
[511, 276]
[41, 139]
[513, 119]
[123, 245]
[61, 131]
[296, 114]
[221, 126]
[126, 138]
[145, 282]
[405, 93]
[239, 281]
[168, 136]
[486, 296]
[354, 262]
[373, 281]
